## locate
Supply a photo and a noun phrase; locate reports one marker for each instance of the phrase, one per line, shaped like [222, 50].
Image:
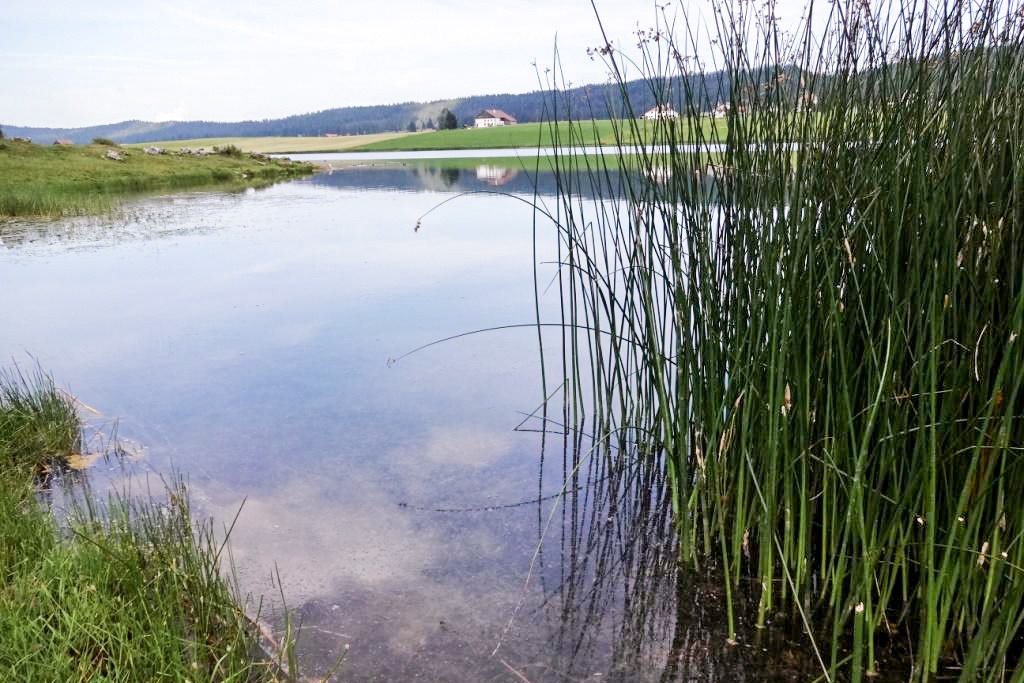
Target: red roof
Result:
[495, 114]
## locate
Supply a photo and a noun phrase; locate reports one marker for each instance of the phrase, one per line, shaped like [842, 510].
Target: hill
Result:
[603, 101]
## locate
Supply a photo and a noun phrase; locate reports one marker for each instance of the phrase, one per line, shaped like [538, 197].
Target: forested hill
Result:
[599, 100]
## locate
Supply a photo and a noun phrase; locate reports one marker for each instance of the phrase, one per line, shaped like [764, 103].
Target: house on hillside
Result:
[807, 101]
[662, 112]
[722, 110]
[492, 118]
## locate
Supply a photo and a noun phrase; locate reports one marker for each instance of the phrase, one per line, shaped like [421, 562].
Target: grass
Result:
[38, 424]
[38, 180]
[278, 145]
[821, 340]
[597, 132]
[129, 592]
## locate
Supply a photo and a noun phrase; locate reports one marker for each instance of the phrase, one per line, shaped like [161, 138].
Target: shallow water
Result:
[246, 341]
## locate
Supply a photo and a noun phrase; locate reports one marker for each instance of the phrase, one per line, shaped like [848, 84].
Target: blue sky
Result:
[82, 63]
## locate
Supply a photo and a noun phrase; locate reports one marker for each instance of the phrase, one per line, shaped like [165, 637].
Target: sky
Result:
[73, 63]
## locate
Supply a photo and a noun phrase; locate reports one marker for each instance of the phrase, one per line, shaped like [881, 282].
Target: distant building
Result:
[661, 112]
[722, 110]
[63, 142]
[492, 118]
[807, 101]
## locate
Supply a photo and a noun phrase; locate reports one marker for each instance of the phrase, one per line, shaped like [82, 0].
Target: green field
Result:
[601, 132]
[40, 180]
[280, 145]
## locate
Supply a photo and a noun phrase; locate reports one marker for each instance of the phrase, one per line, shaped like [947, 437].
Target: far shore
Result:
[601, 133]
[279, 145]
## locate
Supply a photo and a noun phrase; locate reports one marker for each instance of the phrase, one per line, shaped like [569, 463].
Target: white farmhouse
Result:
[661, 112]
[492, 118]
[807, 101]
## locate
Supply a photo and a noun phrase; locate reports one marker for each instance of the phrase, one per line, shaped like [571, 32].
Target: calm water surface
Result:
[244, 340]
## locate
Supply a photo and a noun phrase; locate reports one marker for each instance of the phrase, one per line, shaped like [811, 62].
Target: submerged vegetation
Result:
[130, 592]
[60, 180]
[818, 333]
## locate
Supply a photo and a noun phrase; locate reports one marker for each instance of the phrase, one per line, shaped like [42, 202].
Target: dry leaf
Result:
[787, 403]
[80, 461]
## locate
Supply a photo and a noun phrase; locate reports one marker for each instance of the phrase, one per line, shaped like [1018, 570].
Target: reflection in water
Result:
[614, 592]
[495, 176]
[415, 177]
[522, 179]
[659, 173]
[244, 338]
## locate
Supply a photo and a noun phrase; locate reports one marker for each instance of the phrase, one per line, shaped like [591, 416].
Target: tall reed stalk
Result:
[814, 318]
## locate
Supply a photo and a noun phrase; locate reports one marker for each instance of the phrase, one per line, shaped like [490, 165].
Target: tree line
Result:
[598, 101]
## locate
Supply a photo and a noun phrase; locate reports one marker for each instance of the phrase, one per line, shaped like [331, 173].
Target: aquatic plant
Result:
[813, 317]
[129, 590]
[39, 424]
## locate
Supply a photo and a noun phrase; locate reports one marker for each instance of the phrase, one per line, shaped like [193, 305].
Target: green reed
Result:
[813, 317]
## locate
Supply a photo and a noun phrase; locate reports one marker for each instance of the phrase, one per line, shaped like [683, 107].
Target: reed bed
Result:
[816, 328]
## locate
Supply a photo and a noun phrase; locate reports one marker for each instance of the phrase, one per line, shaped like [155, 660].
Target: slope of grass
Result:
[39, 180]
[132, 592]
[598, 132]
[278, 145]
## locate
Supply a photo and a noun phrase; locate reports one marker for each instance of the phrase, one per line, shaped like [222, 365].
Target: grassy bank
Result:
[598, 132]
[279, 145]
[130, 593]
[38, 180]
[824, 349]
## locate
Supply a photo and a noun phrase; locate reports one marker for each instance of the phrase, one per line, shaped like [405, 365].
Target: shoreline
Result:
[68, 180]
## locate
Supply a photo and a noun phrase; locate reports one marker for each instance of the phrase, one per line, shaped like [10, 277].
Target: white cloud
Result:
[264, 59]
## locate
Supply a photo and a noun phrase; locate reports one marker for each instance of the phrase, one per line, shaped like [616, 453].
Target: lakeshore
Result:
[64, 180]
[82, 580]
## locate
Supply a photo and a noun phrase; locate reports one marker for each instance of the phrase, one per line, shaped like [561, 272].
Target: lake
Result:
[414, 510]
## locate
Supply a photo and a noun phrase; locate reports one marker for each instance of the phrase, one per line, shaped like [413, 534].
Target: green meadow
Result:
[598, 132]
[42, 180]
